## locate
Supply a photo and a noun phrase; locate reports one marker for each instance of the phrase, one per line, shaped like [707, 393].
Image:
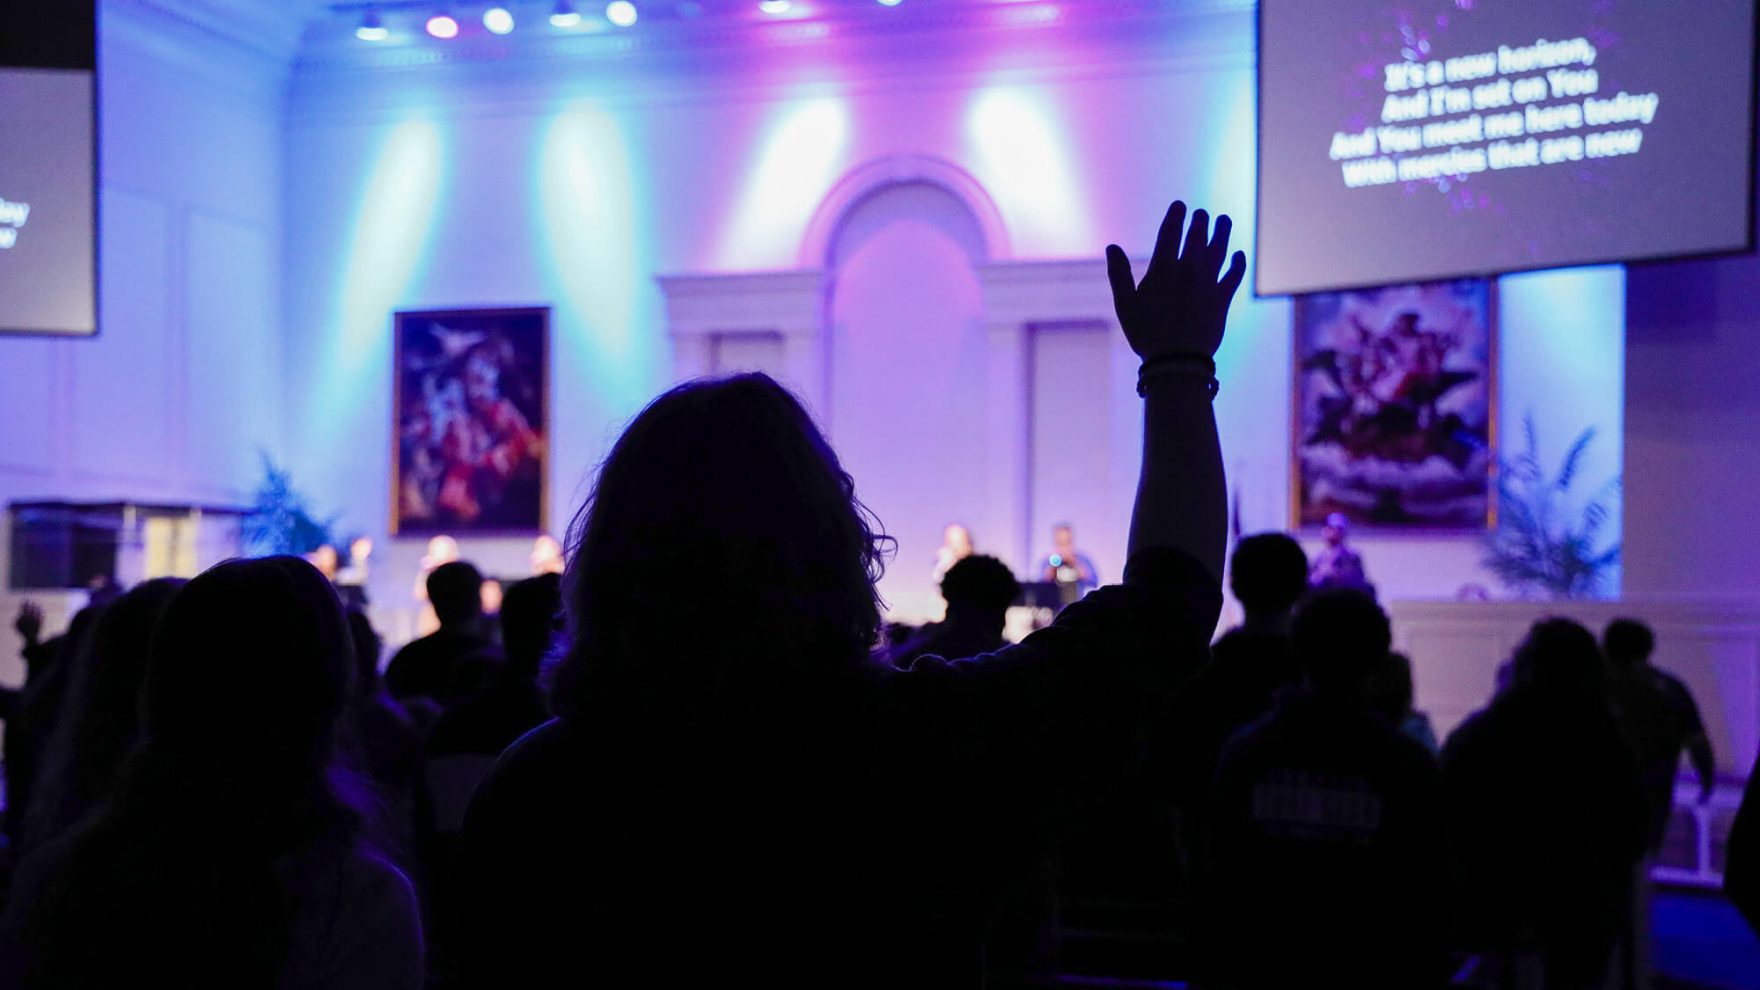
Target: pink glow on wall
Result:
[906, 309]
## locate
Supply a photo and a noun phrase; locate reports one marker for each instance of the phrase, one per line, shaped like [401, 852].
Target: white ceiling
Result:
[284, 29]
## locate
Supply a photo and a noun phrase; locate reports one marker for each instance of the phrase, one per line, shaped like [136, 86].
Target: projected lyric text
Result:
[12, 220]
[1531, 106]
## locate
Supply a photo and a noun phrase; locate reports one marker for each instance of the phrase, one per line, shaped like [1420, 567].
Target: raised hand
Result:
[29, 622]
[1179, 308]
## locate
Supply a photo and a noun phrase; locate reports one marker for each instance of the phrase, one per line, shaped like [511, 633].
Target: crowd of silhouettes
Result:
[723, 779]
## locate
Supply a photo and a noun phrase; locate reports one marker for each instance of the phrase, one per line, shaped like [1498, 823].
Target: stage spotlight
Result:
[775, 6]
[621, 13]
[499, 20]
[442, 26]
[372, 28]
[890, 3]
[565, 16]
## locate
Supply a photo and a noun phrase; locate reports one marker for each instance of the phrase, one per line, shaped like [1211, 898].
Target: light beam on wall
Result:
[387, 248]
[799, 160]
[587, 201]
[1019, 152]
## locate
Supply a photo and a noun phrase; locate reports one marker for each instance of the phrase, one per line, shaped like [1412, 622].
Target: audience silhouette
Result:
[1249, 665]
[734, 789]
[1391, 695]
[978, 590]
[1660, 719]
[99, 719]
[454, 660]
[385, 743]
[1325, 863]
[1548, 814]
[1741, 875]
[691, 760]
[230, 854]
[38, 704]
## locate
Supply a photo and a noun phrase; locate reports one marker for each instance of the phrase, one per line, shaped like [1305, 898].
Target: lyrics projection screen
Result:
[48, 168]
[1411, 140]
[471, 404]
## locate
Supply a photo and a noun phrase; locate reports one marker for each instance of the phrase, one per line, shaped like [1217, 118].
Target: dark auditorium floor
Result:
[1701, 943]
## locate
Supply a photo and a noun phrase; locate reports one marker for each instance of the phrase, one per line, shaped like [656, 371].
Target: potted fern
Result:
[1548, 541]
[281, 519]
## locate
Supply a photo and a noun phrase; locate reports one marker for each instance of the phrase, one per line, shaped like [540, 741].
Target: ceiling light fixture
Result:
[565, 16]
[442, 26]
[775, 6]
[499, 20]
[621, 13]
[372, 27]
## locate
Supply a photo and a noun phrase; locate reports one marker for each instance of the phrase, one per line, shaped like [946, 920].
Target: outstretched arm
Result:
[1174, 321]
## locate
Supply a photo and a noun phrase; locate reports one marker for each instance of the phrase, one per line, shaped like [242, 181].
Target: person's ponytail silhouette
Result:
[735, 791]
[230, 854]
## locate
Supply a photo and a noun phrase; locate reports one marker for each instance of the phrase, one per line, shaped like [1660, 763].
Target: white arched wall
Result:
[907, 366]
[928, 354]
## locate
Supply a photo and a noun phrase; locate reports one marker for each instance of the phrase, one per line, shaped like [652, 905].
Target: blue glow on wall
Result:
[388, 248]
[589, 203]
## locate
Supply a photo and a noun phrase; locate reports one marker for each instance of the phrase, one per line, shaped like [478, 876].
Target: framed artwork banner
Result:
[1395, 407]
[470, 433]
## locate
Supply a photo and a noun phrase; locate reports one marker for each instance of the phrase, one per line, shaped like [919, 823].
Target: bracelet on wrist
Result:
[1196, 367]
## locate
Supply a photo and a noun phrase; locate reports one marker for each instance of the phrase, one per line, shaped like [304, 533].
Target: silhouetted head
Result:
[456, 591]
[1269, 574]
[1628, 643]
[531, 616]
[251, 666]
[367, 648]
[979, 589]
[1560, 657]
[103, 706]
[1337, 529]
[722, 544]
[1340, 637]
[183, 879]
[1391, 688]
